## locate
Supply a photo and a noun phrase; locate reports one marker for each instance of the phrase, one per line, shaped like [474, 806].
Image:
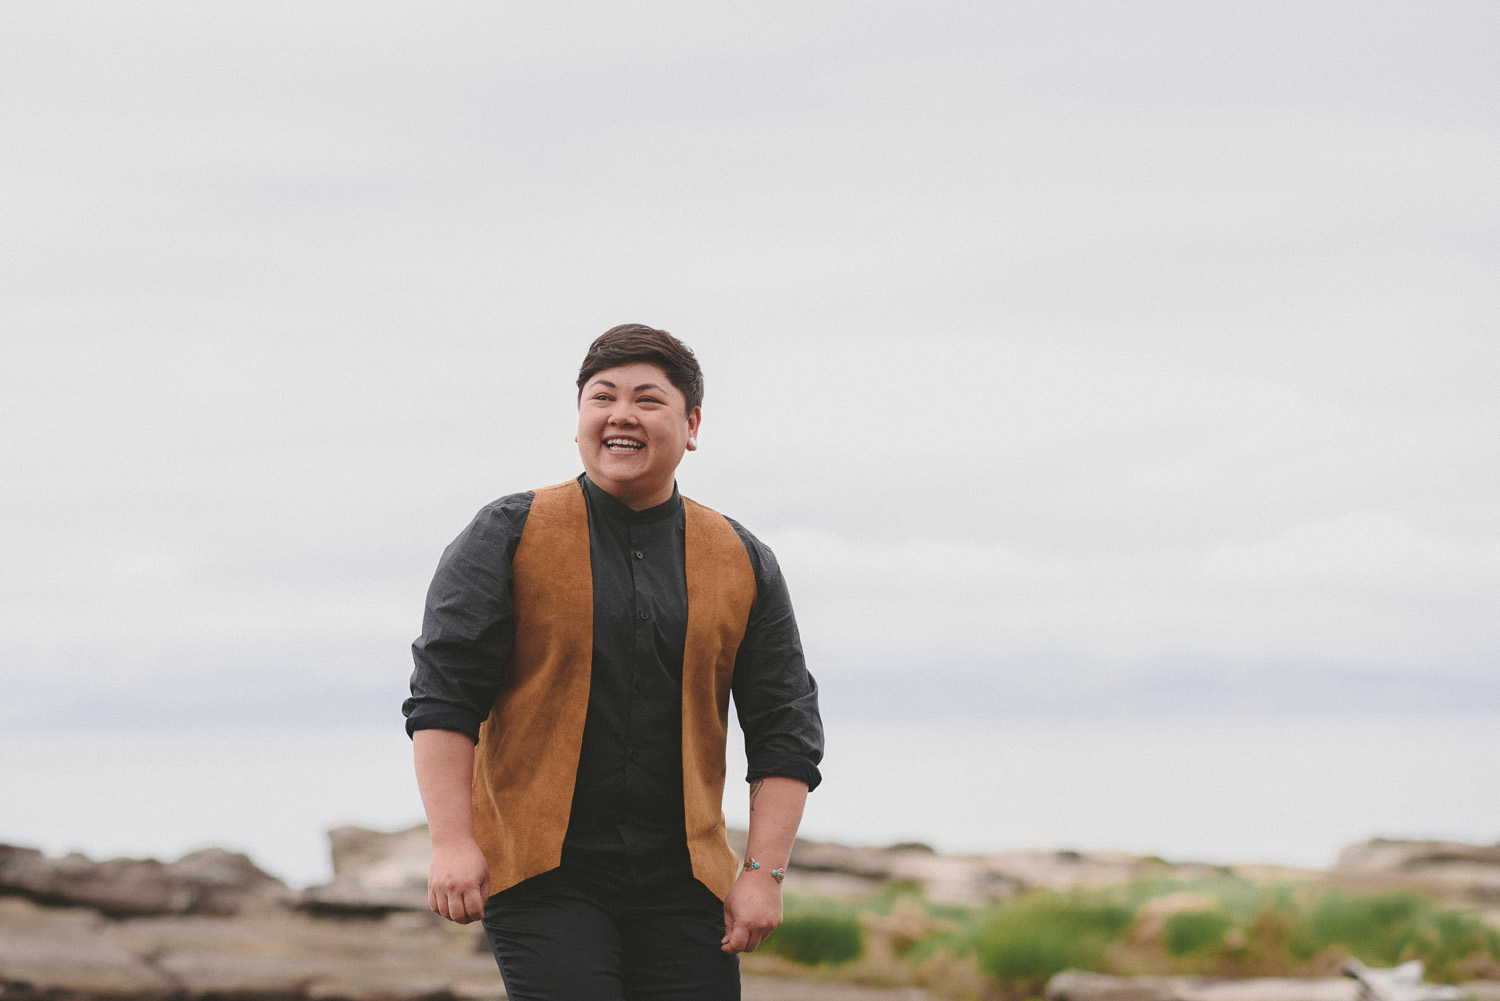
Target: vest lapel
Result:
[721, 590]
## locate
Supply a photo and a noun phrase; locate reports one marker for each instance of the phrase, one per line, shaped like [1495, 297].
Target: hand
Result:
[458, 883]
[751, 911]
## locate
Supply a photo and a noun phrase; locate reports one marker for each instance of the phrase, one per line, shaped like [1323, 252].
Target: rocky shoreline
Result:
[212, 925]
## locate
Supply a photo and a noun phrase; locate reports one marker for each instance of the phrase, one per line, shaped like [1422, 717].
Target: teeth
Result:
[621, 443]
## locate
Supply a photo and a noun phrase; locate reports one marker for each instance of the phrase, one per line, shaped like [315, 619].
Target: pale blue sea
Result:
[1290, 790]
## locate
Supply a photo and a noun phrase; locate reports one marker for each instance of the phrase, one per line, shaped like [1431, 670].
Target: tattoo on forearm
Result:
[754, 792]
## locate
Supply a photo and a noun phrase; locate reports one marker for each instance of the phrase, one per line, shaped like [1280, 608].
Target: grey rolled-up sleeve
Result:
[775, 697]
[469, 624]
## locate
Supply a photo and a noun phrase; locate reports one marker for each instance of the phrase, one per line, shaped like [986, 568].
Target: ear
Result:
[694, 419]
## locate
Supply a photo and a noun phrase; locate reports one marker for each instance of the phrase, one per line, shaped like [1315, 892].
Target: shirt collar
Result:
[600, 500]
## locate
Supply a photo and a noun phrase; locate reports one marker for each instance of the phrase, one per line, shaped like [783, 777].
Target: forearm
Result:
[776, 804]
[753, 908]
[458, 882]
[445, 769]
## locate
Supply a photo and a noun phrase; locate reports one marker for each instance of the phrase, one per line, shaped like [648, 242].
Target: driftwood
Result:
[1399, 983]
[1361, 983]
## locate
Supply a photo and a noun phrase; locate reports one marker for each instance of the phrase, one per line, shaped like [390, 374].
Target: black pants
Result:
[612, 928]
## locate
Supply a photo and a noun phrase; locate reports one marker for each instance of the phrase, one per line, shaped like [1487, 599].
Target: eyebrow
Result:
[639, 389]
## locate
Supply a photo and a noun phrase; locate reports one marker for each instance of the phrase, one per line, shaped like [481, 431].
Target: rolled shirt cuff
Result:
[440, 716]
[792, 766]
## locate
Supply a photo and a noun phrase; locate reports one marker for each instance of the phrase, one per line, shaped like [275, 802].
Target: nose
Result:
[622, 413]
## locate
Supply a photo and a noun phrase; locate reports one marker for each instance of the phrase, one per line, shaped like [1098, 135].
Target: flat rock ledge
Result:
[77, 954]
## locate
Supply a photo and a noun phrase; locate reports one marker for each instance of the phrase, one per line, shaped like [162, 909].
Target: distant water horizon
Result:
[270, 687]
[1289, 790]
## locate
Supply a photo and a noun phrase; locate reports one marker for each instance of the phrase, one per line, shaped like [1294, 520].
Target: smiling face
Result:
[633, 428]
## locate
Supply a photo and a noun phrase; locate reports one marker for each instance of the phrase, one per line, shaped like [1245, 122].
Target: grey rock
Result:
[74, 954]
[340, 900]
[1384, 855]
[374, 872]
[843, 870]
[400, 958]
[211, 881]
[381, 859]
[1452, 867]
[58, 952]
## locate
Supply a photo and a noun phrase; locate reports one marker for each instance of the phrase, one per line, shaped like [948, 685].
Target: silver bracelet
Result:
[751, 865]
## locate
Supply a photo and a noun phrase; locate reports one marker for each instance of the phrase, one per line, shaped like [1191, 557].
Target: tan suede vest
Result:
[527, 758]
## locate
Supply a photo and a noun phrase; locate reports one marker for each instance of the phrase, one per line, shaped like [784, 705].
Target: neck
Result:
[638, 500]
[642, 503]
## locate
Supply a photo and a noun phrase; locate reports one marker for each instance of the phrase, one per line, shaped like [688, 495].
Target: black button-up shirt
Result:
[628, 794]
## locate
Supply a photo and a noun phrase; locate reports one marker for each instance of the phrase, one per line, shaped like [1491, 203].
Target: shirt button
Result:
[645, 614]
[639, 555]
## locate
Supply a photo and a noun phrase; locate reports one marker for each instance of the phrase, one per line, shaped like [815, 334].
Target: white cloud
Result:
[1360, 550]
[1169, 330]
[1361, 589]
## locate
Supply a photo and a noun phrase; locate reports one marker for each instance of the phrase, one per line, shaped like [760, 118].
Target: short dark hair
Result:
[635, 342]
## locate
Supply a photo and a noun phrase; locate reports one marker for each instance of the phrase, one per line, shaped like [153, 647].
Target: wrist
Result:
[448, 842]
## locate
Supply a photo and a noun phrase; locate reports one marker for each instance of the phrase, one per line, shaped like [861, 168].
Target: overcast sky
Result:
[1104, 331]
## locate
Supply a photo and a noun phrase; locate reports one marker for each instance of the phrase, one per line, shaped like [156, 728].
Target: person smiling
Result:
[569, 709]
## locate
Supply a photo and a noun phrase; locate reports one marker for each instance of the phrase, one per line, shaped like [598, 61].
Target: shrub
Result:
[1375, 928]
[1388, 928]
[817, 936]
[1458, 937]
[1036, 936]
[1193, 931]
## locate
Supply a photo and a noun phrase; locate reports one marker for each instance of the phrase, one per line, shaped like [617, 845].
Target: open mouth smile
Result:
[623, 446]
